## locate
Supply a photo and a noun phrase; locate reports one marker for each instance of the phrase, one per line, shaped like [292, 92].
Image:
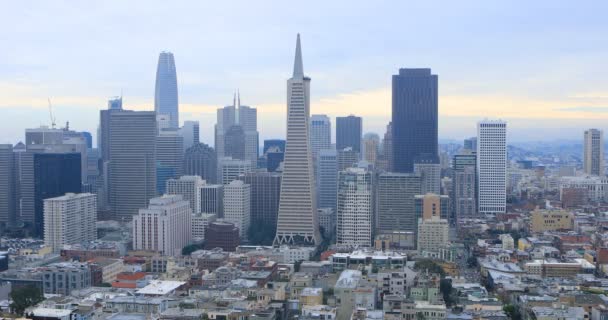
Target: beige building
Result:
[311, 296]
[550, 220]
[593, 157]
[433, 233]
[69, 219]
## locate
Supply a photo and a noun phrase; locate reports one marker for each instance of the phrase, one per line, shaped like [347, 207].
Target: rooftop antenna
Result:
[51, 114]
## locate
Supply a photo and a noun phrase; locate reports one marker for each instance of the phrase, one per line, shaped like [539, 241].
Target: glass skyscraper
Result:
[414, 120]
[165, 97]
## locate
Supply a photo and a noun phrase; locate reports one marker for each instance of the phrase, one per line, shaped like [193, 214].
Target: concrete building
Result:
[386, 162]
[354, 218]
[464, 193]
[164, 227]
[320, 134]
[347, 158]
[165, 93]
[430, 174]
[348, 133]
[230, 169]
[432, 205]
[596, 187]
[593, 157]
[132, 161]
[190, 132]
[327, 221]
[371, 147]
[243, 117]
[190, 188]
[414, 117]
[62, 278]
[200, 223]
[551, 220]
[492, 167]
[201, 160]
[433, 233]
[222, 234]
[297, 220]
[70, 219]
[237, 206]
[395, 197]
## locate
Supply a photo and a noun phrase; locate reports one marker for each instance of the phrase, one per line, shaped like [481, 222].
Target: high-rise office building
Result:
[274, 151]
[464, 195]
[212, 199]
[246, 118]
[327, 179]
[593, 158]
[470, 144]
[297, 221]
[8, 209]
[70, 219]
[55, 174]
[165, 96]
[237, 206]
[414, 117]
[371, 147]
[432, 205]
[234, 143]
[164, 226]
[190, 131]
[347, 158]
[272, 143]
[265, 193]
[43, 135]
[132, 161]
[115, 103]
[492, 167]
[354, 218]
[385, 161]
[348, 133]
[320, 134]
[169, 158]
[395, 201]
[201, 160]
[190, 188]
[430, 172]
[230, 169]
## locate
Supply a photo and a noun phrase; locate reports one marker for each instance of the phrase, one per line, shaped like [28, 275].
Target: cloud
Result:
[588, 109]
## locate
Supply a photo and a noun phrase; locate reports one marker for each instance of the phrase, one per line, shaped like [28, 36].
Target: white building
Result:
[297, 217]
[492, 166]
[200, 222]
[165, 226]
[320, 134]
[230, 169]
[433, 233]
[430, 175]
[596, 187]
[355, 208]
[593, 156]
[190, 188]
[237, 205]
[70, 219]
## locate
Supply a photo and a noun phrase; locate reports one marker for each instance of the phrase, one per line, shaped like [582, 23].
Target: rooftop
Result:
[160, 287]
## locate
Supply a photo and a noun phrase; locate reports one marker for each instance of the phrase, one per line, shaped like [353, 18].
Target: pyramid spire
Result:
[298, 66]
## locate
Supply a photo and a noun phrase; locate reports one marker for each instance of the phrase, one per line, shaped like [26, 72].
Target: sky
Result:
[540, 65]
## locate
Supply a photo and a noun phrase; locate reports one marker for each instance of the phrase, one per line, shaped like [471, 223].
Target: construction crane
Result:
[51, 114]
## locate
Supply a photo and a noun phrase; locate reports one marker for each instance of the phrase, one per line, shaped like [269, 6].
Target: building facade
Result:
[70, 219]
[190, 188]
[348, 133]
[165, 93]
[395, 197]
[593, 157]
[354, 218]
[320, 134]
[237, 206]
[201, 160]
[492, 167]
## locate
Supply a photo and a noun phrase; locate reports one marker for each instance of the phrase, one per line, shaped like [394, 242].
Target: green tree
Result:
[430, 265]
[512, 312]
[261, 233]
[187, 250]
[445, 287]
[24, 298]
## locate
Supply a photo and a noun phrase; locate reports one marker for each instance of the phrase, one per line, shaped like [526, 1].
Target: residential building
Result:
[65, 277]
[432, 205]
[70, 219]
[433, 233]
[354, 218]
[430, 173]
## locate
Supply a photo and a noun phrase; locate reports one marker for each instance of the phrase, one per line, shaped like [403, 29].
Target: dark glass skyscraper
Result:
[55, 174]
[165, 97]
[200, 160]
[348, 133]
[414, 120]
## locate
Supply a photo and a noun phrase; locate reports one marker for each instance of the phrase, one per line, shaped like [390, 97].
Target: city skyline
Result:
[545, 91]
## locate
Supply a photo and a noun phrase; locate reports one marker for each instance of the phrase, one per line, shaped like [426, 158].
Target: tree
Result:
[260, 233]
[512, 311]
[472, 262]
[445, 287]
[24, 298]
[187, 250]
[430, 265]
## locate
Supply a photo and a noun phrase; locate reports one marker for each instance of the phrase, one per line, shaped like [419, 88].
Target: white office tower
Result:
[492, 166]
[70, 219]
[164, 227]
[190, 131]
[297, 220]
[430, 174]
[230, 169]
[200, 223]
[244, 117]
[237, 206]
[190, 188]
[593, 158]
[355, 208]
[163, 122]
[320, 134]
[433, 234]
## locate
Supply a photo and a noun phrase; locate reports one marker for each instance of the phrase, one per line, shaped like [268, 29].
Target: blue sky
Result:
[541, 65]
